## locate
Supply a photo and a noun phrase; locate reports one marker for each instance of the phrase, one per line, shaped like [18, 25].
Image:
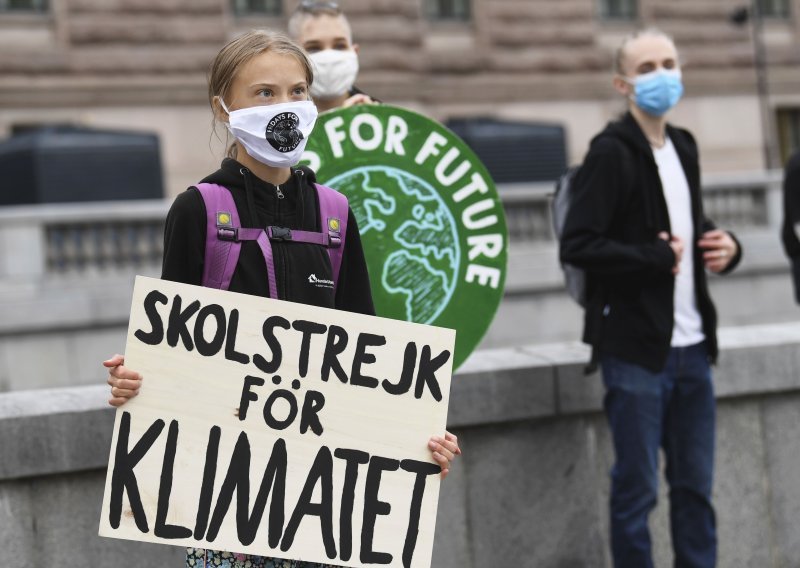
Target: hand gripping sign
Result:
[430, 219]
[278, 429]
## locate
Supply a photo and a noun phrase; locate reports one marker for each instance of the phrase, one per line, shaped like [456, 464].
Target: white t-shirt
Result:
[688, 329]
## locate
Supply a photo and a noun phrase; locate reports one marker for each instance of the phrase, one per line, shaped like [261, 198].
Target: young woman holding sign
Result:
[259, 83]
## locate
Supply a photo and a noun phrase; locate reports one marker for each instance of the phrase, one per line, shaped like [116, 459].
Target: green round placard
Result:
[430, 218]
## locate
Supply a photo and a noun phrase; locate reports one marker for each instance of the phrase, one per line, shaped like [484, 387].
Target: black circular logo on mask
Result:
[282, 132]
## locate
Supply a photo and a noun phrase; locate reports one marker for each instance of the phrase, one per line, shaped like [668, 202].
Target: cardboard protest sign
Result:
[430, 218]
[278, 429]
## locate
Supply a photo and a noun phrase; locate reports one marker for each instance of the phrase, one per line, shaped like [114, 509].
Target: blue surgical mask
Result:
[658, 91]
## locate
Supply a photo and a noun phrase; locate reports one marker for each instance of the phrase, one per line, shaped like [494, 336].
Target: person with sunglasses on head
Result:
[324, 32]
[259, 82]
[636, 226]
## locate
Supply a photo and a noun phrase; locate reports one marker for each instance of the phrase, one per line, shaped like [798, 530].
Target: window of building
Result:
[23, 5]
[774, 8]
[257, 7]
[618, 9]
[448, 10]
[788, 131]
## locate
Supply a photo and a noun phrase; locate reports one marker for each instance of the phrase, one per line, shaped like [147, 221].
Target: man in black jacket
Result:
[636, 225]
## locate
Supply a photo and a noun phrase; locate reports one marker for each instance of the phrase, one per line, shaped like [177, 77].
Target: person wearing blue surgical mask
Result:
[323, 30]
[636, 226]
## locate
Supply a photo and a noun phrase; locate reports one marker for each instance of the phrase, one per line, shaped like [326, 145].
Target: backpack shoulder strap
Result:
[333, 213]
[224, 235]
[221, 255]
[561, 200]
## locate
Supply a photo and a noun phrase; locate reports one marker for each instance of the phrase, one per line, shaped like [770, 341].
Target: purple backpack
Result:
[224, 235]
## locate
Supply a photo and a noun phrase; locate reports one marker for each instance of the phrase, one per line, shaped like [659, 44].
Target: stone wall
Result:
[511, 51]
[141, 64]
[529, 491]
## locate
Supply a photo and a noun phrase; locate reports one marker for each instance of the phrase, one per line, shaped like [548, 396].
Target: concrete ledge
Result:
[54, 431]
[69, 429]
[524, 383]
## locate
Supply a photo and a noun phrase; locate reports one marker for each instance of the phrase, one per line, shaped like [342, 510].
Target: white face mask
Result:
[335, 72]
[275, 135]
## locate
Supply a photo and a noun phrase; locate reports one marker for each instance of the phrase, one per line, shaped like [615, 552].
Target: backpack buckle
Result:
[228, 234]
[279, 233]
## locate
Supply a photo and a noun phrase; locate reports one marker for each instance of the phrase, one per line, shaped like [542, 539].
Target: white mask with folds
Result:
[335, 72]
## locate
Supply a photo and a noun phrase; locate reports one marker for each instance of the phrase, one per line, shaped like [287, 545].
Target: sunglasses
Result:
[313, 6]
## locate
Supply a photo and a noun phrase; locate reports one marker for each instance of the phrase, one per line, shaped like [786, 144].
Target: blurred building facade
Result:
[66, 270]
[141, 64]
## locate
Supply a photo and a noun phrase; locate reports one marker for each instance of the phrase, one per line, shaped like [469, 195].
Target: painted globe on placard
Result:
[402, 216]
[431, 222]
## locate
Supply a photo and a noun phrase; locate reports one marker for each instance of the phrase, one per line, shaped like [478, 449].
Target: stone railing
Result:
[530, 489]
[81, 239]
[102, 238]
[79, 246]
[741, 201]
[66, 276]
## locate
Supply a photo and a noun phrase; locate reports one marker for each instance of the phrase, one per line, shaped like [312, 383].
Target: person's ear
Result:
[219, 112]
[356, 47]
[622, 86]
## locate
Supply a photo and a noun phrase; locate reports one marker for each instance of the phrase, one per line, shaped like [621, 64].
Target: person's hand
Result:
[125, 383]
[676, 244]
[719, 248]
[358, 99]
[444, 451]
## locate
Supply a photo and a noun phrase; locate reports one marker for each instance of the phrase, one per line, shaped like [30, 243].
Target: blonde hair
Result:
[619, 55]
[242, 49]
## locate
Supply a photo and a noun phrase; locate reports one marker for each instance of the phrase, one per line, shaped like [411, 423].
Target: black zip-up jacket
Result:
[612, 230]
[791, 216]
[259, 205]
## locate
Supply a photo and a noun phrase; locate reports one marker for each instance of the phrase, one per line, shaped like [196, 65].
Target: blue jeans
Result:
[673, 409]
